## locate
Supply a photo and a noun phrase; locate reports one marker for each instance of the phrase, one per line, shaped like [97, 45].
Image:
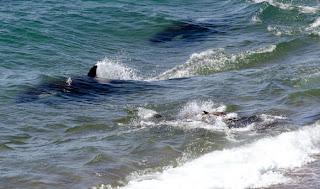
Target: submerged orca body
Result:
[232, 123]
[185, 30]
[86, 87]
[240, 122]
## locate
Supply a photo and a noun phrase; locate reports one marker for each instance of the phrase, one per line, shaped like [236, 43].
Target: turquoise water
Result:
[63, 129]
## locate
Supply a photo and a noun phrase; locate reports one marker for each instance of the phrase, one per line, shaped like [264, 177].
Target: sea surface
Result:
[160, 63]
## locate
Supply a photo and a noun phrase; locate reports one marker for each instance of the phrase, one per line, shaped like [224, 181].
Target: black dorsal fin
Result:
[93, 71]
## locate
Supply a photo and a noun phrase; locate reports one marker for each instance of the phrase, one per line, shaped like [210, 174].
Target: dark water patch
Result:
[17, 142]
[4, 147]
[100, 159]
[62, 141]
[89, 149]
[312, 117]
[274, 90]
[184, 31]
[302, 98]
[56, 126]
[85, 129]
[33, 129]
[53, 179]
[287, 48]
[17, 136]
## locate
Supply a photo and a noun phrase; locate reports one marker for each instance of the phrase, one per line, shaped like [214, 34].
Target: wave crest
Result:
[114, 69]
[262, 163]
[290, 6]
[213, 61]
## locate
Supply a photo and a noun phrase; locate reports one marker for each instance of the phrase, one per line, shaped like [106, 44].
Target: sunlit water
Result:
[63, 129]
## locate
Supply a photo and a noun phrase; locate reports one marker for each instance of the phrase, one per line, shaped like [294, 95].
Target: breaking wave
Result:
[285, 18]
[311, 29]
[259, 164]
[291, 6]
[204, 63]
[314, 27]
[114, 69]
[215, 60]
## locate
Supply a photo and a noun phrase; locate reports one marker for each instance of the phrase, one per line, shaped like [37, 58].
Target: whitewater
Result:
[259, 164]
[148, 117]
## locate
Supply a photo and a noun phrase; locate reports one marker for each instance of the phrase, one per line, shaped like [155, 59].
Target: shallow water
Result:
[62, 129]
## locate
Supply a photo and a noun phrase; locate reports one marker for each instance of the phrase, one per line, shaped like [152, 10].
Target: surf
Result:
[261, 163]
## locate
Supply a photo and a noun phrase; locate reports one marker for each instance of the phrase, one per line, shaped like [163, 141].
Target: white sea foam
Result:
[256, 19]
[316, 23]
[289, 6]
[207, 62]
[144, 113]
[191, 116]
[274, 3]
[211, 61]
[308, 10]
[259, 164]
[114, 69]
[193, 109]
[69, 81]
[314, 28]
[144, 119]
[275, 31]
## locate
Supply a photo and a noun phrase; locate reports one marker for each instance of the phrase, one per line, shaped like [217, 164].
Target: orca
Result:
[188, 31]
[87, 87]
[232, 123]
[93, 71]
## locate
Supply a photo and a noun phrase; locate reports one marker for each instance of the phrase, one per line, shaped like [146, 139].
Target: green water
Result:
[244, 57]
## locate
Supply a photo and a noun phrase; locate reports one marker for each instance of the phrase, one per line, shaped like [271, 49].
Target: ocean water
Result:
[139, 123]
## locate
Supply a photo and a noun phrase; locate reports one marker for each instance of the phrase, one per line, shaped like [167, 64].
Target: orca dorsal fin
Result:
[93, 71]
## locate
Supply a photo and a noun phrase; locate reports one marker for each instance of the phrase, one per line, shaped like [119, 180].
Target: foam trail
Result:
[204, 63]
[259, 164]
[144, 113]
[316, 23]
[193, 108]
[314, 27]
[308, 10]
[212, 61]
[191, 117]
[286, 6]
[114, 69]
[256, 19]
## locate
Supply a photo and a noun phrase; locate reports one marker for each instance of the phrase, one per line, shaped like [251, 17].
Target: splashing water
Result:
[251, 166]
[213, 61]
[114, 69]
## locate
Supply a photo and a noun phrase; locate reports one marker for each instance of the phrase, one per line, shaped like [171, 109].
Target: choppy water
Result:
[62, 129]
